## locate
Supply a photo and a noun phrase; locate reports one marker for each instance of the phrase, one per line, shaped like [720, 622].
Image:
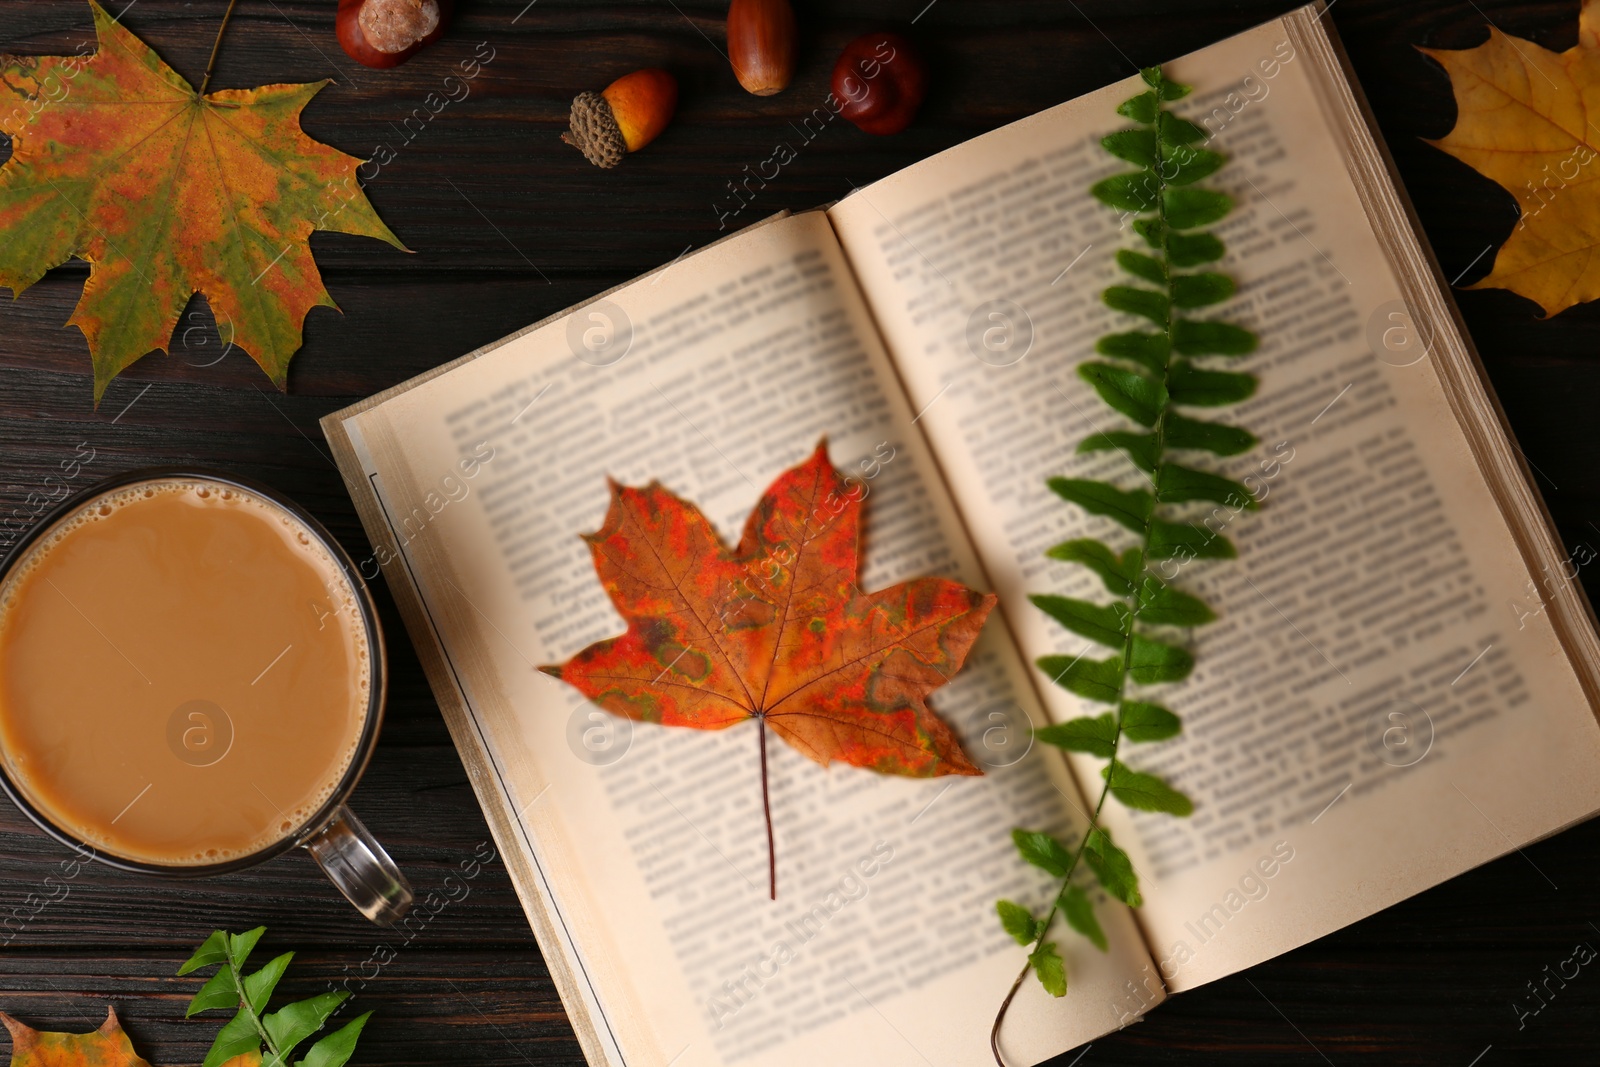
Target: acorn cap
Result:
[595, 131]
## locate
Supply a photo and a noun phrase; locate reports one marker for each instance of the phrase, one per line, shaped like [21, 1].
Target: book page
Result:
[1382, 703]
[715, 375]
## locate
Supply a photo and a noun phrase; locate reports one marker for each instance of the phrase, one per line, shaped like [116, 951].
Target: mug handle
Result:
[354, 861]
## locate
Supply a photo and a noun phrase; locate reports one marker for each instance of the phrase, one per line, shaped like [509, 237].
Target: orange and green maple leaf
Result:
[777, 630]
[106, 1047]
[1529, 119]
[118, 160]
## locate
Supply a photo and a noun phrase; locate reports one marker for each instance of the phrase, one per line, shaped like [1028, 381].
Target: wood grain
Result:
[508, 225]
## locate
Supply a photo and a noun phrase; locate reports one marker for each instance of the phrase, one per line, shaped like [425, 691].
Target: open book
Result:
[1400, 686]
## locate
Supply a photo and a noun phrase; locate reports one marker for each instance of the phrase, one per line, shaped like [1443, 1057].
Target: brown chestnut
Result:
[880, 81]
[386, 33]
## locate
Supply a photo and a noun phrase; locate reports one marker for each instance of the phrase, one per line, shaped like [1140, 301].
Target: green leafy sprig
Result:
[1148, 376]
[272, 1035]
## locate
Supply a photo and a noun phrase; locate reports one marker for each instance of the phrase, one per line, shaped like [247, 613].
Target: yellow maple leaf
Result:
[1529, 118]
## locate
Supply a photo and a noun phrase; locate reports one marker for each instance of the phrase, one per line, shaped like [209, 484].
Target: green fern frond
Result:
[1156, 373]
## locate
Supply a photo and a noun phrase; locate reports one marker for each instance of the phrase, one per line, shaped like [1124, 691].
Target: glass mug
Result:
[213, 567]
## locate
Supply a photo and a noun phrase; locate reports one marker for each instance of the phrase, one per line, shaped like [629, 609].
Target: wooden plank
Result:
[435, 1006]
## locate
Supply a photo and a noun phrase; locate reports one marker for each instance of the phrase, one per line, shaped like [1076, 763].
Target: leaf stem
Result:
[211, 63]
[255, 1020]
[766, 807]
[1134, 603]
[1077, 855]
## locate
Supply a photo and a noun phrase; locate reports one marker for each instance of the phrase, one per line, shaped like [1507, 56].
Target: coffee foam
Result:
[336, 582]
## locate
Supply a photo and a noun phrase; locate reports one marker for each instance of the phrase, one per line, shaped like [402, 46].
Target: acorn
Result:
[386, 33]
[762, 40]
[881, 81]
[631, 112]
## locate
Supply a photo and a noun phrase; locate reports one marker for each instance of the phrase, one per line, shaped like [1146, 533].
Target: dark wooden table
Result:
[509, 225]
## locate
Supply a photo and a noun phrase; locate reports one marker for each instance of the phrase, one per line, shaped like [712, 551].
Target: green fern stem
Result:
[1055, 906]
[254, 1017]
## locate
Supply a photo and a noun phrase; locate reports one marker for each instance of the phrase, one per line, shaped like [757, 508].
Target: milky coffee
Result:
[184, 673]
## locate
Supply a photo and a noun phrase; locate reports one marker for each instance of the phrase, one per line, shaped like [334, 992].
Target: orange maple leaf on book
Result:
[776, 630]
